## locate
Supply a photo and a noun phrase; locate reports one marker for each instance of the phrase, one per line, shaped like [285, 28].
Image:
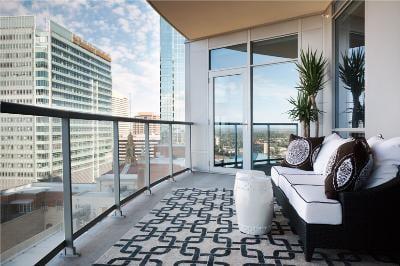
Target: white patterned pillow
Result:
[348, 168]
[329, 146]
[302, 152]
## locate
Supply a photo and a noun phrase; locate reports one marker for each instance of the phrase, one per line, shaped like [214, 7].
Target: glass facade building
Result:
[172, 73]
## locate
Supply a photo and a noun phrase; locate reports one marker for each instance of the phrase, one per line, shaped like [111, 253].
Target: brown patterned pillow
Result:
[302, 152]
[348, 167]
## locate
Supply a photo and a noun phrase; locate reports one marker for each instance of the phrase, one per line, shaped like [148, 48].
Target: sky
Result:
[126, 29]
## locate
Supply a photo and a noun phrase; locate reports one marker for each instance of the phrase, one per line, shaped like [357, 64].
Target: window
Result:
[349, 68]
[274, 81]
[228, 57]
[273, 50]
[24, 208]
[42, 74]
[41, 55]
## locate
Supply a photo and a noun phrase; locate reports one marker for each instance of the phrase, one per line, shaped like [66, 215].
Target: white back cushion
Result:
[386, 161]
[329, 146]
[374, 140]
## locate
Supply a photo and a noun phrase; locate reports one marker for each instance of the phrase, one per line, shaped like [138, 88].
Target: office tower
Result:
[172, 73]
[17, 40]
[52, 68]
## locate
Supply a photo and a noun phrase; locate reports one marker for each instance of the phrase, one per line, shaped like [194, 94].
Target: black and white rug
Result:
[194, 227]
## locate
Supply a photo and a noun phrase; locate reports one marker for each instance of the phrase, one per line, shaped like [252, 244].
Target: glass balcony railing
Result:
[270, 142]
[61, 172]
[228, 145]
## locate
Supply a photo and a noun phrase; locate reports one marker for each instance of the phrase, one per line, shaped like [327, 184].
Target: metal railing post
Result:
[269, 142]
[236, 145]
[117, 178]
[147, 156]
[69, 249]
[190, 148]
[171, 153]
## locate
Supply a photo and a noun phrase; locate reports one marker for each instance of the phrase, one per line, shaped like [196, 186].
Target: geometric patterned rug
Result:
[198, 227]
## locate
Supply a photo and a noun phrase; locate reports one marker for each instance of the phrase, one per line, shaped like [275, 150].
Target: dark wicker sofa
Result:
[369, 221]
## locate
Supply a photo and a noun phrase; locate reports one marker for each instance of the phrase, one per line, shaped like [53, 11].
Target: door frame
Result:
[246, 119]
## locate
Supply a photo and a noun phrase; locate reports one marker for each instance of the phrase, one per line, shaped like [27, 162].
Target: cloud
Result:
[141, 85]
[119, 11]
[127, 30]
[71, 5]
[12, 8]
[124, 23]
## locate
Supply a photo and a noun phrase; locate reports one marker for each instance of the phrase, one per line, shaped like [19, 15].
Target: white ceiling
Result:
[201, 19]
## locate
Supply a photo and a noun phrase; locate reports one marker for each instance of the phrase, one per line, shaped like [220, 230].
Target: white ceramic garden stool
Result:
[254, 202]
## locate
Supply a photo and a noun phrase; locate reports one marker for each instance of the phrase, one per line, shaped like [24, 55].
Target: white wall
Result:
[382, 69]
[311, 32]
[196, 101]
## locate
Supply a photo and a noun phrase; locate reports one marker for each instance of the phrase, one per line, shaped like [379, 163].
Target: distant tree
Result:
[130, 150]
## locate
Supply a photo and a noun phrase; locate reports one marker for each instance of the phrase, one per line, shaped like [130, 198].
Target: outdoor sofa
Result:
[365, 220]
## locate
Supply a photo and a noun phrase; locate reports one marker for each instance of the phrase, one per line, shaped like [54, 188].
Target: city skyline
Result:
[127, 30]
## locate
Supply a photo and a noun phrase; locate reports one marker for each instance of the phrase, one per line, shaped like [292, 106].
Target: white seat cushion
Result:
[303, 179]
[287, 181]
[276, 171]
[312, 206]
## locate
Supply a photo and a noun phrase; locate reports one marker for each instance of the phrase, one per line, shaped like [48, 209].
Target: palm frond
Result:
[302, 108]
[311, 68]
[352, 70]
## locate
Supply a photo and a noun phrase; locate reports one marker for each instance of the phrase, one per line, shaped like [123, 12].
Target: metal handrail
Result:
[66, 116]
[24, 109]
[256, 124]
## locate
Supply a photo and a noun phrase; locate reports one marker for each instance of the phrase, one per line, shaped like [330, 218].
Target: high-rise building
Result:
[172, 73]
[120, 107]
[17, 60]
[139, 134]
[52, 68]
[154, 129]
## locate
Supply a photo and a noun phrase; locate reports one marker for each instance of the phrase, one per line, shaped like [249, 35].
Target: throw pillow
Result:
[348, 167]
[329, 146]
[386, 161]
[302, 152]
[375, 140]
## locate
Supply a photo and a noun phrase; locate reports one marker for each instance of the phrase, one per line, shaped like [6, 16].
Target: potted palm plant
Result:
[351, 72]
[303, 111]
[311, 68]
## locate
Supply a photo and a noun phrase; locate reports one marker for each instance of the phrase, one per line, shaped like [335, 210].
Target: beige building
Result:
[138, 128]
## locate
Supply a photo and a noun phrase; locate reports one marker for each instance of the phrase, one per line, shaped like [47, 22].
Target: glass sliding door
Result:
[350, 70]
[228, 120]
[274, 81]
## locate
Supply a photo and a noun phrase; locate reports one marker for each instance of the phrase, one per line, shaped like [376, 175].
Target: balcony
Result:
[167, 197]
[78, 184]
[62, 211]
[73, 220]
